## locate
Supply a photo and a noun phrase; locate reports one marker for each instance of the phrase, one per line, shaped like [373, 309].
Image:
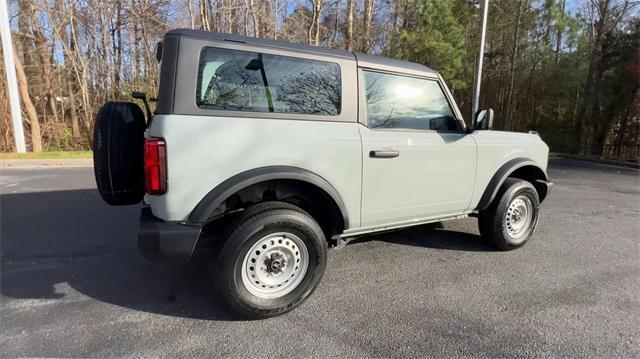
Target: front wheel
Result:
[272, 261]
[512, 217]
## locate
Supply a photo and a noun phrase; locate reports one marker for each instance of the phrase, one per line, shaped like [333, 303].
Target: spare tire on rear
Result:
[118, 153]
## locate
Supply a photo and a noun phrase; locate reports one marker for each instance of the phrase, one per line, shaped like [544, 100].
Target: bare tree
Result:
[350, 25]
[366, 25]
[192, 16]
[254, 16]
[204, 15]
[29, 108]
[314, 25]
[512, 65]
[44, 56]
[607, 15]
[336, 21]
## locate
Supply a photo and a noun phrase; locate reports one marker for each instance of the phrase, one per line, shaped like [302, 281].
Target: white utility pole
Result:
[12, 83]
[478, 79]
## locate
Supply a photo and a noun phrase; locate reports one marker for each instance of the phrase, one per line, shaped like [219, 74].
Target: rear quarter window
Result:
[234, 80]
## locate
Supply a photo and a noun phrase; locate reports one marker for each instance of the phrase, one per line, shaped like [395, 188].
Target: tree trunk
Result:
[79, 66]
[627, 119]
[118, 48]
[264, 11]
[350, 25]
[559, 30]
[44, 56]
[275, 20]
[335, 25]
[26, 42]
[318, 9]
[512, 66]
[366, 25]
[70, 81]
[313, 32]
[75, 128]
[246, 21]
[255, 17]
[29, 108]
[136, 55]
[235, 17]
[586, 128]
[191, 14]
[204, 15]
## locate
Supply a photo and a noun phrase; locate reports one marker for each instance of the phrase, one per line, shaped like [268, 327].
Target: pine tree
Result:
[437, 40]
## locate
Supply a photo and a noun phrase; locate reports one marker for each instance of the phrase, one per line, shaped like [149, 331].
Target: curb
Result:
[46, 163]
[596, 160]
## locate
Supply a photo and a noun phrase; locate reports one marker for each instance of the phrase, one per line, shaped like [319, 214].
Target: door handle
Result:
[384, 153]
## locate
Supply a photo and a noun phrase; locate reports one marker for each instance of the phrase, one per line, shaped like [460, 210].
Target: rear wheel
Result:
[272, 261]
[512, 217]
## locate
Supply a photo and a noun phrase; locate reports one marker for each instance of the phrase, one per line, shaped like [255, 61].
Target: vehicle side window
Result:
[400, 102]
[235, 80]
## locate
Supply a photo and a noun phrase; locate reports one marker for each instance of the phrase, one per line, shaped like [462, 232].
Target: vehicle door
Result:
[418, 162]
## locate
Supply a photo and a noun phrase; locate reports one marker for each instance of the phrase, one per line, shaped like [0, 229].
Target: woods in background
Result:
[569, 69]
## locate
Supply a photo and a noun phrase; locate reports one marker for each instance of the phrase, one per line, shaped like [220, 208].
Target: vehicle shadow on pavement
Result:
[432, 235]
[68, 244]
[64, 245]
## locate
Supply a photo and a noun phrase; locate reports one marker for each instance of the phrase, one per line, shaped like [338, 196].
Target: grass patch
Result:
[45, 155]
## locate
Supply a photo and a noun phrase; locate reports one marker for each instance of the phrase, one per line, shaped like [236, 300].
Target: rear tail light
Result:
[155, 166]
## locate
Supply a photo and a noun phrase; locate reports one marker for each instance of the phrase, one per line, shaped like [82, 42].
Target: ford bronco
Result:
[271, 152]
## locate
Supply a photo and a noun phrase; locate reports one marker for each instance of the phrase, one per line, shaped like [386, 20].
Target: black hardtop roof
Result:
[364, 60]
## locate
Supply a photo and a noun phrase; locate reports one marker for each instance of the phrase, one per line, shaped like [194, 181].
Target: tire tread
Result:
[282, 213]
[490, 219]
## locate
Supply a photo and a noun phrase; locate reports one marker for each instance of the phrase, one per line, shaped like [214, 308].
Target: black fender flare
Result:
[501, 175]
[242, 180]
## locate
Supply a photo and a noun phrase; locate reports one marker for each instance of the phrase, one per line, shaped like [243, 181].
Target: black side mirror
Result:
[484, 119]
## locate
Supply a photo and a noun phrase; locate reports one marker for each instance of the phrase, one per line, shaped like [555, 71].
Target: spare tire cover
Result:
[118, 153]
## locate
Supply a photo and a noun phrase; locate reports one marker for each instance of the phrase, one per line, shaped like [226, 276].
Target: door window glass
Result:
[400, 102]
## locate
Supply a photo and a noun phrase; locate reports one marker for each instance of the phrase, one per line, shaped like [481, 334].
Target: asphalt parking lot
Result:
[72, 283]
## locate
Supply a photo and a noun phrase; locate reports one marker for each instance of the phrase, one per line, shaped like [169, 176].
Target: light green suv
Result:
[271, 152]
